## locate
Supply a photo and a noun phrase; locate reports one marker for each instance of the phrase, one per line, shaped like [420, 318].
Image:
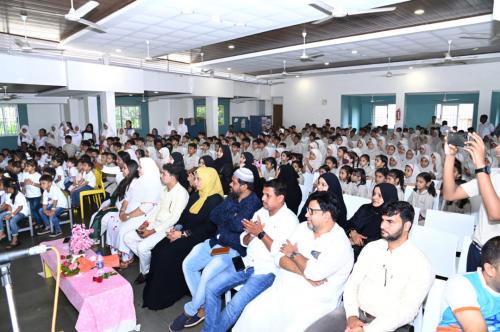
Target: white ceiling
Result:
[173, 26]
[402, 45]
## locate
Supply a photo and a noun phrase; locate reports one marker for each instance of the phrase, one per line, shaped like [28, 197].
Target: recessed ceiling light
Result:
[297, 76]
[419, 11]
[118, 50]
[230, 46]
[228, 68]
[475, 48]
[130, 95]
[156, 92]
[411, 67]
[354, 52]
[327, 63]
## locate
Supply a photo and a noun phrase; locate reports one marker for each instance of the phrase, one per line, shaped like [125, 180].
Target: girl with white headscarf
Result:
[24, 136]
[437, 167]
[424, 164]
[107, 131]
[76, 135]
[314, 162]
[122, 135]
[361, 144]
[141, 201]
[372, 149]
[411, 172]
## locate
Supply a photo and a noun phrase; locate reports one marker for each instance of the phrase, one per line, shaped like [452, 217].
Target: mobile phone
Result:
[238, 263]
[457, 139]
[66, 239]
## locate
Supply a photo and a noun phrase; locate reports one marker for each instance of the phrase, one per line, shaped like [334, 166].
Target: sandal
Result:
[3, 237]
[13, 245]
[124, 265]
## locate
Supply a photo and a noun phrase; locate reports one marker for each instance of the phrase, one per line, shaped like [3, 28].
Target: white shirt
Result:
[55, 194]
[90, 178]
[172, 203]
[20, 200]
[182, 129]
[40, 141]
[485, 129]
[31, 190]
[191, 161]
[60, 172]
[486, 229]
[278, 227]
[388, 285]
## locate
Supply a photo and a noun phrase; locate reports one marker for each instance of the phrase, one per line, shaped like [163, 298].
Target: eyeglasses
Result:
[311, 211]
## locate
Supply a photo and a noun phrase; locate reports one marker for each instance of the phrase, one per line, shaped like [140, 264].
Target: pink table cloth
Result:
[106, 306]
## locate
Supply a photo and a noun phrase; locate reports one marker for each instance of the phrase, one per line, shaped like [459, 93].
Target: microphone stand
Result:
[7, 284]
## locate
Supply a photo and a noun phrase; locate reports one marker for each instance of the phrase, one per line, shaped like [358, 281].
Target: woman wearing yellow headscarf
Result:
[165, 282]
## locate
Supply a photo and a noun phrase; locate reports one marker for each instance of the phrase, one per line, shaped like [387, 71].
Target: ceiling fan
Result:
[209, 71]
[446, 99]
[334, 12]
[7, 97]
[305, 57]
[389, 73]
[148, 57]
[75, 15]
[24, 45]
[373, 100]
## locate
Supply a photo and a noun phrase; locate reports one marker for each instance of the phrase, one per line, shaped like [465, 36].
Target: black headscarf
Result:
[367, 220]
[258, 182]
[178, 159]
[293, 192]
[224, 166]
[336, 190]
[209, 161]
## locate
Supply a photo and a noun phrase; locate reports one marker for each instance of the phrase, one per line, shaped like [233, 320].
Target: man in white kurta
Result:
[315, 264]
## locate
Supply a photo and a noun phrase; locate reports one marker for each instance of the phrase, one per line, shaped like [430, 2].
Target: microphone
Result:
[10, 256]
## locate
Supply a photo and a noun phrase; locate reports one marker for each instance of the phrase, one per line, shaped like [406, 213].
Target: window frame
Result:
[438, 112]
[120, 119]
[3, 123]
[389, 108]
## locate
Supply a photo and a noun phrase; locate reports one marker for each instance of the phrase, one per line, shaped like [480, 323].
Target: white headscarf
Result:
[413, 178]
[427, 169]
[110, 132]
[437, 167]
[363, 147]
[24, 137]
[76, 134]
[316, 163]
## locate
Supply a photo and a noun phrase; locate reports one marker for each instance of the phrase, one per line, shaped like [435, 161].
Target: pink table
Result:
[106, 306]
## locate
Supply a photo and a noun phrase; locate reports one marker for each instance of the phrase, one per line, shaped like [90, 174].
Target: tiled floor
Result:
[34, 298]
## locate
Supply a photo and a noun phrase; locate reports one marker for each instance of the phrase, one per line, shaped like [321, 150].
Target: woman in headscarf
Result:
[165, 282]
[129, 169]
[410, 157]
[24, 136]
[314, 162]
[141, 201]
[437, 167]
[424, 164]
[177, 160]
[329, 182]
[76, 135]
[122, 135]
[371, 149]
[361, 144]
[224, 166]
[206, 161]
[364, 225]
[88, 133]
[107, 131]
[247, 161]
[293, 196]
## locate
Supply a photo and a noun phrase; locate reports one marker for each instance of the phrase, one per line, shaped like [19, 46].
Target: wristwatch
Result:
[293, 254]
[485, 169]
[261, 235]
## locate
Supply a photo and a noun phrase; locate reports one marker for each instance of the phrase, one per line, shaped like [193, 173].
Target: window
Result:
[9, 124]
[459, 115]
[201, 113]
[132, 113]
[384, 115]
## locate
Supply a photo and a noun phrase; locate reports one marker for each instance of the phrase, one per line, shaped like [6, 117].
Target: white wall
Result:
[302, 98]
[163, 110]
[246, 108]
[43, 116]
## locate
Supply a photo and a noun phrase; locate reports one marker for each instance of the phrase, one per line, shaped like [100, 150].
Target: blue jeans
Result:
[253, 285]
[75, 196]
[12, 222]
[35, 206]
[199, 258]
[54, 218]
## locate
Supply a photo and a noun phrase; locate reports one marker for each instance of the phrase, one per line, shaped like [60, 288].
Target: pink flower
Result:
[73, 266]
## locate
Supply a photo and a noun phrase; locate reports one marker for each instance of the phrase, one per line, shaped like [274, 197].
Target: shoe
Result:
[179, 323]
[12, 246]
[141, 278]
[196, 319]
[43, 231]
[55, 234]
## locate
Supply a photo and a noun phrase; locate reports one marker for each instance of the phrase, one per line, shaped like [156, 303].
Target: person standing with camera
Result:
[485, 184]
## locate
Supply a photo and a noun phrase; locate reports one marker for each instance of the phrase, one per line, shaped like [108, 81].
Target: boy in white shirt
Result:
[88, 182]
[71, 173]
[54, 203]
[31, 183]
[17, 210]
[57, 162]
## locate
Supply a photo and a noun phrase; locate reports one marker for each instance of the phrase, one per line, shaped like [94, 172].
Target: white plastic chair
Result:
[305, 194]
[438, 246]
[20, 229]
[408, 191]
[434, 306]
[417, 215]
[308, 182]
[459, 224]
[435, 206]
[462, 261]
[352, 204]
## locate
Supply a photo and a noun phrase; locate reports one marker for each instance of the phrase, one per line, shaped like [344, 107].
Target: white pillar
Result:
[400, 104]
[72, 110]
[268, 108]
[484, 106]
[90, 105]
[212, 110]
[108, 112]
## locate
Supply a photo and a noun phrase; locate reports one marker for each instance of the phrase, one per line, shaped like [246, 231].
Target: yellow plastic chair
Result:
[94, 194]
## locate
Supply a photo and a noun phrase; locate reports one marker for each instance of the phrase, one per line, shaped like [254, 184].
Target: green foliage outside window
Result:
[201, 113]
[9, 124]
[132, 113]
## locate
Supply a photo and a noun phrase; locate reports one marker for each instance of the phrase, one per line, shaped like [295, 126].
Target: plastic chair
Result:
[408, 191]
[417, 215]
[462, 261]
[352, 204]
[438, 246]
[461, 225]
[434, 306]
[435, 206]
[95, 194]
[29, 227]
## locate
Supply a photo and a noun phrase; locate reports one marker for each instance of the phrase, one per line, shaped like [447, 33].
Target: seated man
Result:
[263, 236]
[473, 299]
[315, 264]
[215, 254]
[389, 281]
[173, 200]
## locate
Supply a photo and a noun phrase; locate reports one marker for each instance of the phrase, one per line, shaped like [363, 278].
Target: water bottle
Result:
[99, 264]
